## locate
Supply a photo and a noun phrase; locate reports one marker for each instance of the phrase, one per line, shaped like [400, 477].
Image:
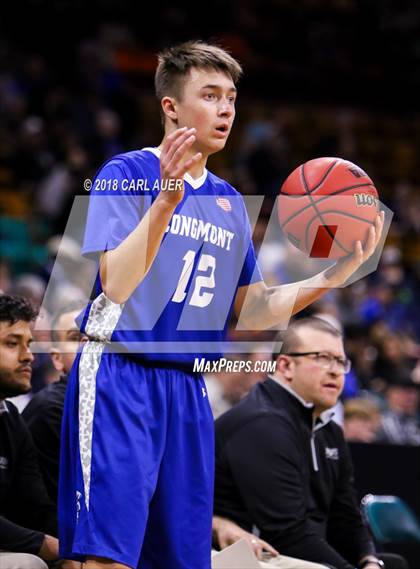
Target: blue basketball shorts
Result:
[136, 464]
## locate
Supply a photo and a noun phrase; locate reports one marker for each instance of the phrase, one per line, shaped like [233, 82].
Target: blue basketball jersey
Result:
[180, 311]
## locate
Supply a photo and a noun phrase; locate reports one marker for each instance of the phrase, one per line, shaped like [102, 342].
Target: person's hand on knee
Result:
[49, 548]
[228, 532]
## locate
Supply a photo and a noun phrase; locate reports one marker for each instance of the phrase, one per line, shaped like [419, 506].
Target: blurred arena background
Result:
[322, 78]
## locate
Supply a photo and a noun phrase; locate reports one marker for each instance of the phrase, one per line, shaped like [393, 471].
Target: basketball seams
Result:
[305, 185]
[312, 182]
[321, 199]
[325, 176]
[335, 211]
[347, 188]
[333, 238]
[347, 214]
[364, 185]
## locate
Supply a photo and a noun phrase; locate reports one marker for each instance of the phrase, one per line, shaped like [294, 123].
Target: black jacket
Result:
[43, 415]
[294, 482]
[26, 512]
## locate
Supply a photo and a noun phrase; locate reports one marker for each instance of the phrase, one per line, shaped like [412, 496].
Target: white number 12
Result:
[198, 298]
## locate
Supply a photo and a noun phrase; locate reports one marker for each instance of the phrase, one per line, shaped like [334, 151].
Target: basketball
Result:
[326, 205]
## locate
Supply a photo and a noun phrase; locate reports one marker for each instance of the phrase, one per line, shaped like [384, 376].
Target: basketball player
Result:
[175, 254]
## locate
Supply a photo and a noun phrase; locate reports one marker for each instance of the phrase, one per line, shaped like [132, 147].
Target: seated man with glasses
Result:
[282, 464]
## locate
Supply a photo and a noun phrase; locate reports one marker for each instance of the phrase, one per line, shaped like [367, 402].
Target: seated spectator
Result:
[362, 419]
[43, 413]
[224, 388]
[393, 361]
[283, 465]
[227, 387]
[400, 424]
[27, 517]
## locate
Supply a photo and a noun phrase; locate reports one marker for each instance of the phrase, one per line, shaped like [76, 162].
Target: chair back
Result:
[390, 519]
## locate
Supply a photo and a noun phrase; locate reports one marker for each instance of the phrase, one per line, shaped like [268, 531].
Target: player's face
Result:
[70, 338]
[314, 383]
[207, 104]
[15, 358]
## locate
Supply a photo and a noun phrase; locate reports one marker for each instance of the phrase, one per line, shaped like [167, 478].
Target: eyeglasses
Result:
[326, 360]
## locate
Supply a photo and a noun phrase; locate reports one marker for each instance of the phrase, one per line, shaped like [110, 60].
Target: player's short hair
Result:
[15, 308]
[175, 63]
[70, 307]
[288, 341]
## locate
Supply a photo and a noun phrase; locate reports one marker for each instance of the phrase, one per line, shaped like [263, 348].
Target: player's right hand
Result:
[174, 163]
[346, 266]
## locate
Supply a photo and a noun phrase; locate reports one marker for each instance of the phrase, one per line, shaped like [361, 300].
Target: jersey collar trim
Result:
[195, 183]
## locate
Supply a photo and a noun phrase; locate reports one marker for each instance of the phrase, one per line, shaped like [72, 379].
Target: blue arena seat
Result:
[390, 519]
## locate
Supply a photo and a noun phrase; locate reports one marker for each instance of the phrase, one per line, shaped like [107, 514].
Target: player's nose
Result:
[225, 108]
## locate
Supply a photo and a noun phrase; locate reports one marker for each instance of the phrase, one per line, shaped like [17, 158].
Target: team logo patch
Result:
[224, 203]
[331, 453]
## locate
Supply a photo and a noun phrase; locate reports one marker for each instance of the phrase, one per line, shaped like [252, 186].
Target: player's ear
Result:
[169, 108]
[56, 359]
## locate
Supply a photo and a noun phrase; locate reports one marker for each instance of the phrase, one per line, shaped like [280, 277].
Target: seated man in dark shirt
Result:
[27, 517]
[283, 465]
[44, 412]
[400, 424]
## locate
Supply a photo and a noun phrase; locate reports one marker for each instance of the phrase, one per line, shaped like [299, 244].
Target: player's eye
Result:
[11, 344]
[210, 96]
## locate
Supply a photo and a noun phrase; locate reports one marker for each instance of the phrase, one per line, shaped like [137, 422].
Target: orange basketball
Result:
[326, 205]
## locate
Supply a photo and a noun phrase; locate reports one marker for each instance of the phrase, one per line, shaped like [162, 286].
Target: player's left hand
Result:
[346, 266]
